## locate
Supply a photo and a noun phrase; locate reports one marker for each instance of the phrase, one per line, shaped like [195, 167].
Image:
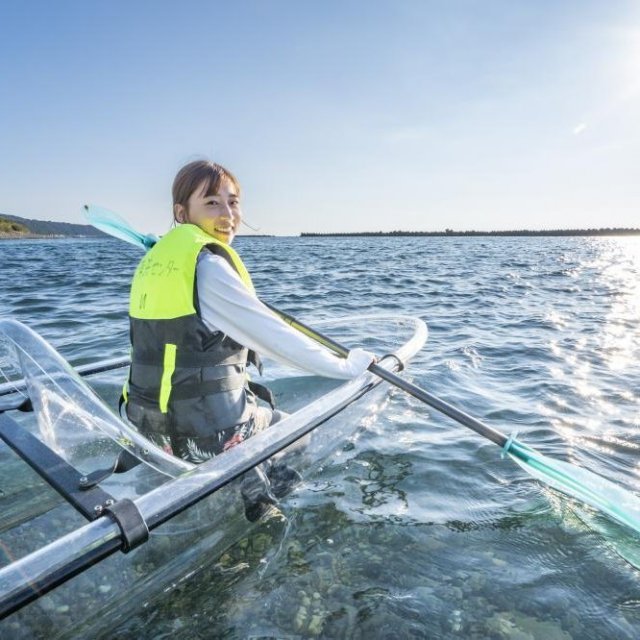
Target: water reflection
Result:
[381, 484]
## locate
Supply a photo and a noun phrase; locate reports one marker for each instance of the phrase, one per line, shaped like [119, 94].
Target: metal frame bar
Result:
[58, 473]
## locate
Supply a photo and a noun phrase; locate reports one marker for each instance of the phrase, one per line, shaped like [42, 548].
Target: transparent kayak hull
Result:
[70, 417]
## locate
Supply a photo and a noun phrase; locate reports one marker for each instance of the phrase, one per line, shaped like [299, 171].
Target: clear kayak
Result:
[169, 516]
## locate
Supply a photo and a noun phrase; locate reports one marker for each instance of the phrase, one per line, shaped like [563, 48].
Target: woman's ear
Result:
[179, 213]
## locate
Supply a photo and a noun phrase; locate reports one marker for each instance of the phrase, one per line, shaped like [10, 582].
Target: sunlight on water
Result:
[613, 271]
[621, 337]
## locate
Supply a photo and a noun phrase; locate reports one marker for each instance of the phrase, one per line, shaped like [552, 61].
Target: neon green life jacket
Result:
[185, 380]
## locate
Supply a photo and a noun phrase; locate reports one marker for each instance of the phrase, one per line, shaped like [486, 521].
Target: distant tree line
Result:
[255, 235]
[605, 231]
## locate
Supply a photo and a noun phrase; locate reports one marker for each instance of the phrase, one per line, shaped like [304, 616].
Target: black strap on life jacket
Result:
[262, 392]
[254, 359]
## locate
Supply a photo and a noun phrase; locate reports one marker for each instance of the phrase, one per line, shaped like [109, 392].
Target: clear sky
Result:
[334, 115]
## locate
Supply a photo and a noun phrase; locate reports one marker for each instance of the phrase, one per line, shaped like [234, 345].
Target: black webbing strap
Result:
[132, 525]
[189, 391]
[199, 389]
[262, 392]
[187, 359]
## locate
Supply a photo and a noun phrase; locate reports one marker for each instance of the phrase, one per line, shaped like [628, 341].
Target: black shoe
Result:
[282, 478]
[254, 511]
[256, 494]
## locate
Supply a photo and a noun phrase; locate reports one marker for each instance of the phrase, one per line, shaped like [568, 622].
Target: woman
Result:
[196, 324]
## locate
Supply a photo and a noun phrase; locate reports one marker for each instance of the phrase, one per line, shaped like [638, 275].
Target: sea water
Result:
[416, 528]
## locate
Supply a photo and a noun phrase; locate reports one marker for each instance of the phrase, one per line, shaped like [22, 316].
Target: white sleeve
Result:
[226, 305]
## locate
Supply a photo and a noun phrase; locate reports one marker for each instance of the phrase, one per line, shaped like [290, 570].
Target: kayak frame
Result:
[104, 536]
[125, 524]
[54, 470]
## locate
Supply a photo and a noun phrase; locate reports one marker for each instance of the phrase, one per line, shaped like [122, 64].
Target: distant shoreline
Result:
[374, 234]
[451, 233]
[36, 236]
[61, 236]
[28, 236]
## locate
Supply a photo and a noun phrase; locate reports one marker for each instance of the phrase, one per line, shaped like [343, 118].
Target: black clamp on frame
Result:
[394, 357]
[133, 526]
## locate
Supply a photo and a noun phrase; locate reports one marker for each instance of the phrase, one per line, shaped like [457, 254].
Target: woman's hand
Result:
[359, 360]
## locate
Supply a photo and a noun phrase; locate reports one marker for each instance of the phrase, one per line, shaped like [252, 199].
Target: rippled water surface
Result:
[416, 528]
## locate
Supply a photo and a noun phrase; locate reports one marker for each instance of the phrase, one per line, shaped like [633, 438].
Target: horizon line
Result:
[513, 232]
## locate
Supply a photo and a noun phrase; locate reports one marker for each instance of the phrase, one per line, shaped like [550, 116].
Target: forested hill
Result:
[31, 227]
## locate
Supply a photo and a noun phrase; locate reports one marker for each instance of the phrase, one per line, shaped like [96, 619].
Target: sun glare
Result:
[621, 332]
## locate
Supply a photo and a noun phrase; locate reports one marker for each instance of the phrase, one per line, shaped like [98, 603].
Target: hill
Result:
[12, 228]
[31, 227]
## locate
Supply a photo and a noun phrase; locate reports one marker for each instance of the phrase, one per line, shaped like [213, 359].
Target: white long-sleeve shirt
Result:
[226, 305]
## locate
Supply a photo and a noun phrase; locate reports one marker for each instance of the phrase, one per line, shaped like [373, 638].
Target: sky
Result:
[335, 116]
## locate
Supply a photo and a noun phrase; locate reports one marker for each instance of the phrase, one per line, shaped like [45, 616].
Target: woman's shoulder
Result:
[215, 265]
[211, 260]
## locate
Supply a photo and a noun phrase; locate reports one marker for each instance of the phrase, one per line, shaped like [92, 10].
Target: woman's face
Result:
[218, 215]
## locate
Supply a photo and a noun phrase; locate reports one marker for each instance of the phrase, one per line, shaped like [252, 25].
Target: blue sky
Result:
[335, 116]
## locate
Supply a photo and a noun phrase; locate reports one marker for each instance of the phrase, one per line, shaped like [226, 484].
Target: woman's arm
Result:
[227, 306]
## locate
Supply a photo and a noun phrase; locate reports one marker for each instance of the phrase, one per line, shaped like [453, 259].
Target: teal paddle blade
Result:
[116, 226]
[579, 483]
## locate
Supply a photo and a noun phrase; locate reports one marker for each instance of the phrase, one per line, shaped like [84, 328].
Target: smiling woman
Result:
[196, 325]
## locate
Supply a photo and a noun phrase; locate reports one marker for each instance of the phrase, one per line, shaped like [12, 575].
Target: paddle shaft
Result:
[424, 396]
[417, 392]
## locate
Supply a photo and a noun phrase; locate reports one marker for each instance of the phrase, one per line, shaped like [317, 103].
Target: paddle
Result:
[574, 481]
[112, 224]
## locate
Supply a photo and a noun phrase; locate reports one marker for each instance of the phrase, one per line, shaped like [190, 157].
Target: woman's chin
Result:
[222, 236]
[227, 238]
